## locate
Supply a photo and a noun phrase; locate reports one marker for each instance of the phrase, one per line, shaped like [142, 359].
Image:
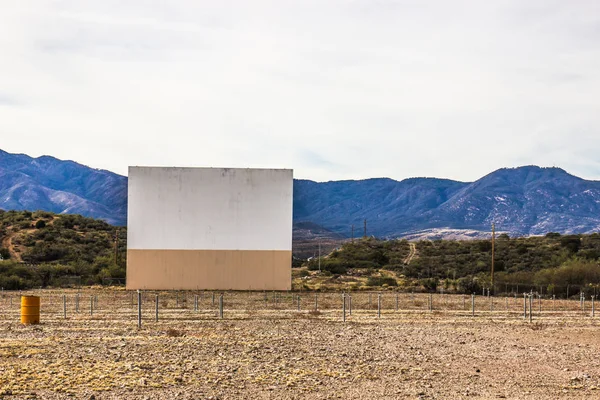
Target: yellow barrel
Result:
[30, 309]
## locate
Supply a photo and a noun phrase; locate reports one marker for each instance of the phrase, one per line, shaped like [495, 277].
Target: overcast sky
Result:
[335, 89]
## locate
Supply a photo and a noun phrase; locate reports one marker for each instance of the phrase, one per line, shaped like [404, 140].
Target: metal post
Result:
[139, 301]
[473, 304]
[156, 301]
[379, 306]
[524, 305]
[540, 301]
[196, 303]
[593, 307]
[344, 307]
[396, 301]
[65, 306]
[583, 303]
[298, 303]
[530, 308]
[493, 256]
[350, 304]
[316, 301]
[213, 298]
[221, 306]
[553, 303]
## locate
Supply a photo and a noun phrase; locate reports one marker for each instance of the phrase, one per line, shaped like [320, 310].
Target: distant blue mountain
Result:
[46, 183]
[522, 201]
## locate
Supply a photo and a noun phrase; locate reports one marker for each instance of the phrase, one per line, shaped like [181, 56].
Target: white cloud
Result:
[334, 89]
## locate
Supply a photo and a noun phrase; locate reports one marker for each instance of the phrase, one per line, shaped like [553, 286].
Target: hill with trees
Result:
[42, 248]
[46, 249]
[554, 263]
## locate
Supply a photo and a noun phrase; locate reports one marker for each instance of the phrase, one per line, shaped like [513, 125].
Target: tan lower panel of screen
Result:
[209, 269]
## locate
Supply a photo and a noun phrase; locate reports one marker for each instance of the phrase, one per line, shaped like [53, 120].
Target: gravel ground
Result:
[270, 350]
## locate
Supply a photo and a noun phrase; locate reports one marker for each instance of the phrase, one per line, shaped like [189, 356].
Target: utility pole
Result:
[365, 230]
[319, 256]
[116, 246]
[493, 251]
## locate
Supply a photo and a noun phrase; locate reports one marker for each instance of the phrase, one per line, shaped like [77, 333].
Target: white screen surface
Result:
[209, 208]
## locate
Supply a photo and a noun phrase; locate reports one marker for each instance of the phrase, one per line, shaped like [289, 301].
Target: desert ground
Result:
[266, 347]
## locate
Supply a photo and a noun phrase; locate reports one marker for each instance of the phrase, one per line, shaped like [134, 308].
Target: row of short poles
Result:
[528, 303]
[156, 302]
[527, 299]
[93, 304]
[347, 304]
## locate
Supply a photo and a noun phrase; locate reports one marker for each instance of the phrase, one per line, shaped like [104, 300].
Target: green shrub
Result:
[25, 225]
[381, 280]
[303, 273]
[12, 282]
[430, 284]
[571, 242]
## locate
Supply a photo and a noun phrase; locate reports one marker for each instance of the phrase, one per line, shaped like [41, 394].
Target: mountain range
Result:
[49, 184]
[528, 200]
[521, 201]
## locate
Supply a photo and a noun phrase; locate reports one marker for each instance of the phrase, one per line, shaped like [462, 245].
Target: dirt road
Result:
[8, 244]
[412, 254]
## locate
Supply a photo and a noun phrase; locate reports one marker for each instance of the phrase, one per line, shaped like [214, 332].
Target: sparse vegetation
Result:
[561, 264]
[381, 281]
[46, 249]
